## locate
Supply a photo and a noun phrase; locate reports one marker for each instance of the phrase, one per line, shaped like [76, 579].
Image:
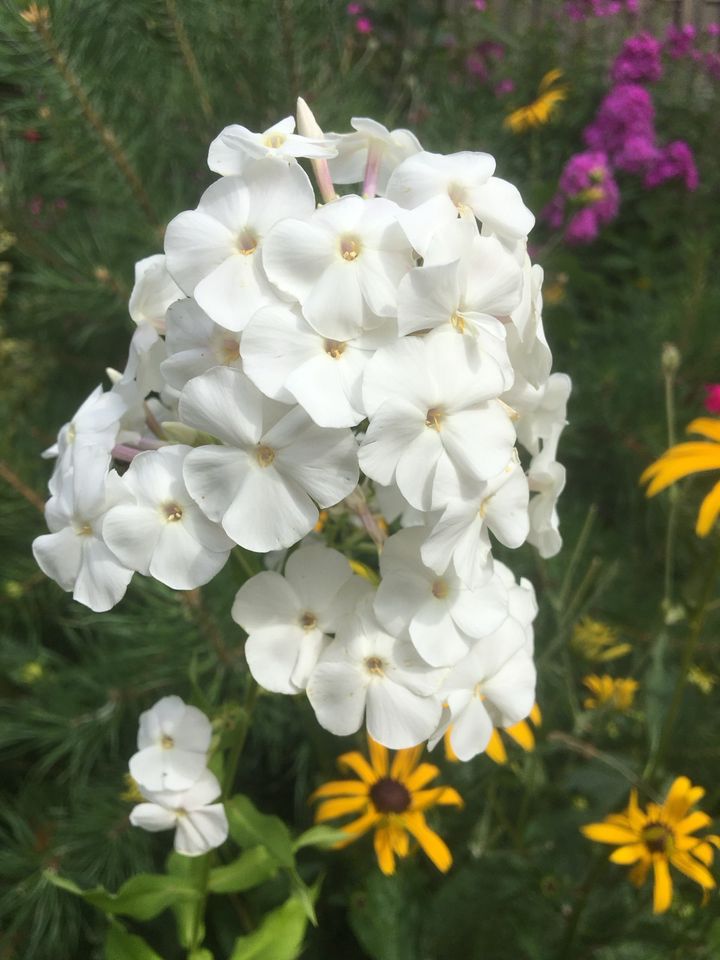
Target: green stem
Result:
[674, 497]
[576, 555]
[565, 952]
[698, 622]
[251, 695]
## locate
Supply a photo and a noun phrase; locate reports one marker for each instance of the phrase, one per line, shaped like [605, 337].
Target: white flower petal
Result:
[398, 718]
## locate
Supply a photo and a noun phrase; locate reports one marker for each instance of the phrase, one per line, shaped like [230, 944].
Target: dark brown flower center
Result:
[657, 837]
[390, 796]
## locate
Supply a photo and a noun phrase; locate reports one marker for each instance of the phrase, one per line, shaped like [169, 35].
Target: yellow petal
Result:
[340, 788]
[693, 822]
[421, 775]
[638, 874]
[609, 833]
[662, 891]
[358, 764]
[691, 868]
[536, 715]
[709, 511]
[628, 854]
[703, 851]
[399, 840]
[339, 807]
[678, 799]
[550, 77]
[358, 827]
[378, 757]
[405, 761]
[439, 796]
[522, 735]
[496, 748]
[705, 427]
[384, 851]
[435, 848]
[672, 471]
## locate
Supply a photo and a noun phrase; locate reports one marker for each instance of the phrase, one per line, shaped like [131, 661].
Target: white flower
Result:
[344, 264]
[141, 375]
[521, 598]
[201, 825]
[195, 344]
[366, 671]
[231, 150]
[435, 426]
[95, 423]
[74, 554]
[466, 178]
[371, 144]
[289, 361]
[173, 741]
[276, 464]
[163, 533]
[528, 347]
[153, 292]
[288, 618]
[213, 252]
[461, 533]
[494, 686]
[547, 481]
[541, 412]
[393, 505]
[442, 614]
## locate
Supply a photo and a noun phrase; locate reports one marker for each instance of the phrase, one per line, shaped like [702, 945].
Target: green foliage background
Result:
[107, 115]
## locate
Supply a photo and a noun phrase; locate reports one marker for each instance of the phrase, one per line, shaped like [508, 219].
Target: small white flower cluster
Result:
[170, 772]
[283, 347]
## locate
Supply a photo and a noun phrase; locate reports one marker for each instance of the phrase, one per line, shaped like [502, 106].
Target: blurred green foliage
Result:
[107, 113]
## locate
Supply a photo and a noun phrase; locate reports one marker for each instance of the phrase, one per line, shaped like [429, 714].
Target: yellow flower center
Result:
[374, 665]
[274, 140]
[390, 796]
[349, 248]
[166, 742]
[434, 418]
[264, 455]
[173, 512]
[658, 838]
[84, 530]
[440, 589]
[334, 348]
[229, 350]
[246, 242]
[458, 322]
[308, 621]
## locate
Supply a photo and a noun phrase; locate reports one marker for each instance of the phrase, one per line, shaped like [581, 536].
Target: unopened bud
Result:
[670, 359]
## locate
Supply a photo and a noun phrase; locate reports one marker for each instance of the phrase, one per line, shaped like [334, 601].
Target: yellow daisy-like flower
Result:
[597, 641]
[684, 459]
[521, 733]
[538, 112]
[607, 691]
[391, 800]
[660, 836]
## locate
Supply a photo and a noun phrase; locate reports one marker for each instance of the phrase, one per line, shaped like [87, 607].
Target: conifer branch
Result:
[21, 487]
[190, 61]
[39, 19]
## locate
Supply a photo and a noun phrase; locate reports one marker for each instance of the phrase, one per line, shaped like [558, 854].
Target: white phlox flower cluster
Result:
[378, 353]
[171, 774]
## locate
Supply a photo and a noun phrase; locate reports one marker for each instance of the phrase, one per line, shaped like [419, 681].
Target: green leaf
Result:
[201, 954]
[320, 836]
[141, 897]
[249, 827]
[121, 945]
[251, 868]
[279, 936]
[306, 895]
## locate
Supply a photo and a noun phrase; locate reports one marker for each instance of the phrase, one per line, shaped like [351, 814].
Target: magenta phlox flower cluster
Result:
[680, 41]
[639, 61]
[627, 111]
[712, 397]
[673, 162]
[579, 10]
[588, 197]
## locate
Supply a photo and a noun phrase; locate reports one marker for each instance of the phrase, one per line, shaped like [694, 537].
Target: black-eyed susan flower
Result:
[660, 836]
[537, 113]
[684, 459]
[597, 641]
[617, 693]
[389, 798]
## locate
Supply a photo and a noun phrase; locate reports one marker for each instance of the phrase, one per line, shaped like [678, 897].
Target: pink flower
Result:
[673, 162]
[504, 87]
[638, 61]
[713, 29]
[364, 25]
[480, 5]
[712, 397]
[354, 9]
[679, 40]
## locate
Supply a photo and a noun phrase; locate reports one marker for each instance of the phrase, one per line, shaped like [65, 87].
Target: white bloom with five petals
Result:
[195, 344]
[234, 146]
[173, 741]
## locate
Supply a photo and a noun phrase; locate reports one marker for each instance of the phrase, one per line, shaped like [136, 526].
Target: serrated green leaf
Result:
[121, 945]
[251, 868]
[250, 828]
[279, 937]
[320, 836]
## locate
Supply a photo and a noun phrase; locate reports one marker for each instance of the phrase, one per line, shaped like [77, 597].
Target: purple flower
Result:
[507, 85]
[626, 111]
[476, 66]
[583, 227]
[713, 29]
[638, 61]
[674, 162]
[587, 194]
[636, 154]
[712, 397]
[354, 9]
[584, 9]
[679, 41]
[712, 65]
[364, 25]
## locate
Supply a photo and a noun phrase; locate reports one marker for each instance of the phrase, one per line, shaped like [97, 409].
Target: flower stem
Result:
[667, 604]
[568, 940]
[697, 624]
[251, 695]
[577, 553]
